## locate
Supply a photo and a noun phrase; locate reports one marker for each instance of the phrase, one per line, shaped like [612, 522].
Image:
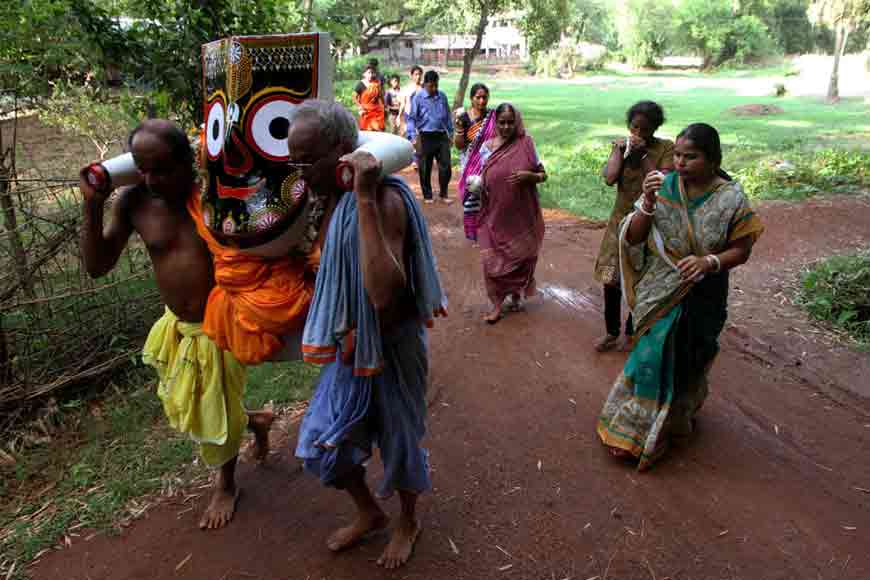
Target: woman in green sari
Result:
[687, 231]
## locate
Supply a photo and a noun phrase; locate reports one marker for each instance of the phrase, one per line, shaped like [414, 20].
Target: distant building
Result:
[391, 46]
[502, 42]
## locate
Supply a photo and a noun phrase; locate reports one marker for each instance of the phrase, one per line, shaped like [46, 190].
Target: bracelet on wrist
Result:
[647, 212]
[715, 263]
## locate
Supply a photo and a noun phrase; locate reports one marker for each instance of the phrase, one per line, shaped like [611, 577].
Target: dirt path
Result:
[774, 487]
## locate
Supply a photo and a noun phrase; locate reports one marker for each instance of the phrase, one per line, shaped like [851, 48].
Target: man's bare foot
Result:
[348, 536]
[260, 422]
[401, 545]
[220, 509]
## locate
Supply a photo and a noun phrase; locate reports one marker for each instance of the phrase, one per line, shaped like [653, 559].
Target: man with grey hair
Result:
[377, 289]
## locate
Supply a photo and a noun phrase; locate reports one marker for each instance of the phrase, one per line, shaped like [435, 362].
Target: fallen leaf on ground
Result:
[453, 546]
[183, 562]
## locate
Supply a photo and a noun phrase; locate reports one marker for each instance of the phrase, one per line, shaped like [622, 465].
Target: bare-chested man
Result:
[376, 289]
[201, 386]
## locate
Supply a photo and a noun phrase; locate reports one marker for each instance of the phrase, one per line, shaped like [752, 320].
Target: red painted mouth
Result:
[242, 193]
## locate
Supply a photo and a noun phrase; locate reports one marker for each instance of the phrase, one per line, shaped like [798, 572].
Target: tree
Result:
[355, 23]
[644, 29]
[843, 16]
[718, 32]
[546, 22]
[167, 40]
[44, 41]
[472, 16]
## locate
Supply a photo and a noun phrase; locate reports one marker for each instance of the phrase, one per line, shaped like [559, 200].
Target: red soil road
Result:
[773, 487]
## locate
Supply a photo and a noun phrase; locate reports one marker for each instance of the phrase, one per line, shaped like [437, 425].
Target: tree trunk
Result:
[307, 9]
[10, 225]
[6, 369]
[470, 53]
[10, 220]
[842, 36]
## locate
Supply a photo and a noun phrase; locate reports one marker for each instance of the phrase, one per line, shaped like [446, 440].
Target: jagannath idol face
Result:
[252, 87]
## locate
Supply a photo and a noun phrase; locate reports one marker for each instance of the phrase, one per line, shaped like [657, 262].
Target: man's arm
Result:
[412, 118]
[449, 114]
[101, 247]
[382, 222]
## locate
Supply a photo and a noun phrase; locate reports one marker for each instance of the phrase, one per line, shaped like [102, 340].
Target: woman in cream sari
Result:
[687, 231]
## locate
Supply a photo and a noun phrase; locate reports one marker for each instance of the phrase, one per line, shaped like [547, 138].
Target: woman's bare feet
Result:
[626, 343]
[401, 545]
[260, 422]
[222, 507]
[515, 303]
[348, 536]
[493, 316]
[619, 453]
[607, 343]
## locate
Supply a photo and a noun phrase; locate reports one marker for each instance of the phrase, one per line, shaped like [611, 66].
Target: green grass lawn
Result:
[573, 123]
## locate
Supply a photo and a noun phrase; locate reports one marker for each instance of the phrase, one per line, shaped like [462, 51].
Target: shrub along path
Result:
[774, 486]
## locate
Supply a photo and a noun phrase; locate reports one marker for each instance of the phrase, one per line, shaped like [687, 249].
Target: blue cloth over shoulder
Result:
[380, 397]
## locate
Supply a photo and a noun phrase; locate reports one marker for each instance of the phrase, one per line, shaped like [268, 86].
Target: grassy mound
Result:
[835, 290]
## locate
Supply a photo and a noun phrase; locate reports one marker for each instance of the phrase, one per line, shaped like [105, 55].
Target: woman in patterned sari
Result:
[369, 98]
[511, 225]
[676, 249]
[473, 129]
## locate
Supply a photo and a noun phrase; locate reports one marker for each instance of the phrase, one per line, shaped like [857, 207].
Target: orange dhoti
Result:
[256, 301]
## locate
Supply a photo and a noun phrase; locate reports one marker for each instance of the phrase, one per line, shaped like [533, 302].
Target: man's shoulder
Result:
[129, 198]
[392, 202]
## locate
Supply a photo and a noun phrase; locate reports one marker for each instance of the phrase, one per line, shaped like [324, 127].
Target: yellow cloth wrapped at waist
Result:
[201, 386]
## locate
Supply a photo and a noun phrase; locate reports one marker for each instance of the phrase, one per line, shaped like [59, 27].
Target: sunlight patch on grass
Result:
[790, 123]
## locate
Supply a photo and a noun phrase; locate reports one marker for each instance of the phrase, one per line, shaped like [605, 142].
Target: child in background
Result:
[393, 101]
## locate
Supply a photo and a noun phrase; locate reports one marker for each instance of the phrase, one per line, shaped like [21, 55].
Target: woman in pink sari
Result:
[473, 129]
[510, 225]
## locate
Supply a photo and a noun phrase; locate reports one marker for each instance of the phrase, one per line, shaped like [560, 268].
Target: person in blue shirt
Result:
[430, 128]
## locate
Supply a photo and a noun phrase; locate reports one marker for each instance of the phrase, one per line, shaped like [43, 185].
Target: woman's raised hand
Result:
[651, 184]
[637, 143]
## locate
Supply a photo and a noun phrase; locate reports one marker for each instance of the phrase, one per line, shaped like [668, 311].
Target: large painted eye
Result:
[215, 128]
[267, 125]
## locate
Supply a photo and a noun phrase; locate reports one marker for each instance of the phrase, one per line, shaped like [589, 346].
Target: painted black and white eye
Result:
[215, 128]
[267, 126]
